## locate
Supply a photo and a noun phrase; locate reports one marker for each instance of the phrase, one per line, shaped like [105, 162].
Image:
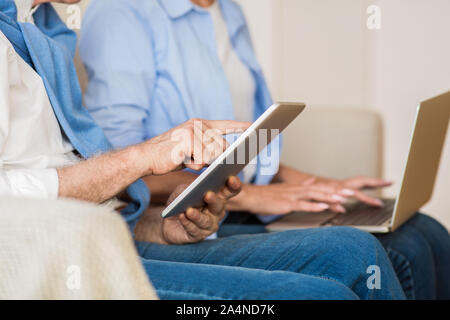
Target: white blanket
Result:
[67, 250]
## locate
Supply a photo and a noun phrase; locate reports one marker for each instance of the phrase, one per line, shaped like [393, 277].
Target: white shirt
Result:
[240, 79]
[25, 10]
[31, 142]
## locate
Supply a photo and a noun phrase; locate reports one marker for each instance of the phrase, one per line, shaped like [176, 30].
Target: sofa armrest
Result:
[67, 250]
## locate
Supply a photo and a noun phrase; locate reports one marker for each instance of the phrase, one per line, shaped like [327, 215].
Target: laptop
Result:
[416, 189]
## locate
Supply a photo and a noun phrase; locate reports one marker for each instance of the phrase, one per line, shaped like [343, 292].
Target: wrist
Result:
[142, 158]
[150, 227]
[242, 201]
[290, 175]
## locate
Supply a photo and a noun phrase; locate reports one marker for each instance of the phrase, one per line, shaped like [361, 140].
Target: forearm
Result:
[291, 175]
[101, 178]
[163, 186]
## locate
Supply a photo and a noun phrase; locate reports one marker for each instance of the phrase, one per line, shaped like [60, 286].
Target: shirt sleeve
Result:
[40, 183]
[29, 183]
[116, 49]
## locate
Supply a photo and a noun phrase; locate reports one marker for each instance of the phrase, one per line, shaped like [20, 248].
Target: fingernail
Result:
[323, 206]
[338, 198]
[379, 202]
[341, 209]
[348, 192]
[233, 180]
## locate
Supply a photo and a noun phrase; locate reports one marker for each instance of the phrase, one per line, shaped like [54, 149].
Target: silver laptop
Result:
[419, 177]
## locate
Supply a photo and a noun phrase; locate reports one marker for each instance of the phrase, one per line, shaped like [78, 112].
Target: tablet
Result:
[240, 153]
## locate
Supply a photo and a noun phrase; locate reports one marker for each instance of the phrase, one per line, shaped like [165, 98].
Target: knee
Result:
[420, 237]
[347, 244]
[428, 225]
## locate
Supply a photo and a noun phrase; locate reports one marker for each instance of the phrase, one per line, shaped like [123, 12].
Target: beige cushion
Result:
[335, 142]
[67, 250]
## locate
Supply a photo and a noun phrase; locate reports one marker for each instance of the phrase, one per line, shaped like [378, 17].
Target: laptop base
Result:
[359, 215]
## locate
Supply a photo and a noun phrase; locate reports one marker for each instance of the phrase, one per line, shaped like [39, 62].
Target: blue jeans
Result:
[325, 263]
[419, 251]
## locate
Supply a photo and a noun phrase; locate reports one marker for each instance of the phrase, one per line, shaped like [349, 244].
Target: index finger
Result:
[376, 183]
[367, 182]
[227, 126]
[368, 200]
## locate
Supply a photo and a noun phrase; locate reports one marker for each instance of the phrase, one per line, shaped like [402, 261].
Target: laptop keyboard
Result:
[360, 214]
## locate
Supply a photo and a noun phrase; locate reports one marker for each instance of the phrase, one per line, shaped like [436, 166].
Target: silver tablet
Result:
[236, 156]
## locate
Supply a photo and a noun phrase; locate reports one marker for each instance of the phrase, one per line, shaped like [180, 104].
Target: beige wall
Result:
[412, 63]
[321, 52]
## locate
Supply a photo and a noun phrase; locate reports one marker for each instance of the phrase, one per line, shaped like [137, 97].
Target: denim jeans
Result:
[324, 263]
[419, 252]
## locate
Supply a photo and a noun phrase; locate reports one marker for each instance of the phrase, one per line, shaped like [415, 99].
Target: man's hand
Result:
[103, 177]
[194, 144]
[192, 226]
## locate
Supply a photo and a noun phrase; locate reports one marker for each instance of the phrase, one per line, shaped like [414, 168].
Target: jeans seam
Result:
[409, 270]
[412, 226]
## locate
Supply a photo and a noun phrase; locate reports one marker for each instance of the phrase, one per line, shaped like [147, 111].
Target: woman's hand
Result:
[355, 187]
[192, 226]
[350, 188]
[193, 144]
[361, 183]
[284, 198]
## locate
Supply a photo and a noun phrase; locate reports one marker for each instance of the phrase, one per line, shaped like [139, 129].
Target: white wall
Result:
[321, 52]
[412, 63]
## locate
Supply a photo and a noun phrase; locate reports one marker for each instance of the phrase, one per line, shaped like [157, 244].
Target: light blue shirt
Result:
[153, 65]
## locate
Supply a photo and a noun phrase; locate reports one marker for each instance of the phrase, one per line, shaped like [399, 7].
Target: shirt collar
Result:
[231, 11]
[177, 8]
